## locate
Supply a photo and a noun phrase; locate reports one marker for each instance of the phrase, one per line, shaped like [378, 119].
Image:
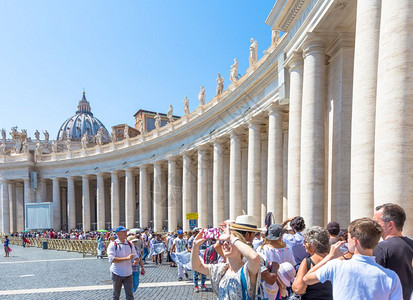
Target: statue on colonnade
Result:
[98, 137]
[234, 71]
[186, 106]
[170, 113]
[46, 136]
[220, 84]
[68, 144]
[84, 140]
[126, 132]
[113, 135]
[253, 51]
[275, 36]
[201, 96]
[3, 135]
[54, 146]
[157, 121]
[37, 135]
[140, 125]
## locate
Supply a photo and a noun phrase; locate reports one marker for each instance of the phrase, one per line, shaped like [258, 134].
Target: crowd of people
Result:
[280, 261]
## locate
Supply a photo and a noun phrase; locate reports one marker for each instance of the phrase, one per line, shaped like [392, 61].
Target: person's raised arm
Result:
[196, 262]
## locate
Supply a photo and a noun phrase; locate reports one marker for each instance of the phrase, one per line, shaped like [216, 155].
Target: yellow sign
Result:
[192, 216]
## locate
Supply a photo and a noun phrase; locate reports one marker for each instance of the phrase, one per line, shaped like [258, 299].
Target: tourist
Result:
[295, 240]
[395, 251]
[317, 245]
[157, 248]
[6, 246]
[333, 229]
[137, 269]
[121, 253]
[235, 279]
[100, 246]
[180, 245]
[169, 243]
[258, 240]
[275, 251]
[359, 277]
[195, 273]
[145, 238]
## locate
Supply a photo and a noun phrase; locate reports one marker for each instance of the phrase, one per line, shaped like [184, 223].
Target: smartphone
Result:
[211, 233]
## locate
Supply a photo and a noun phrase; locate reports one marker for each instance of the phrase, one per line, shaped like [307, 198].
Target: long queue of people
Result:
[312, 263]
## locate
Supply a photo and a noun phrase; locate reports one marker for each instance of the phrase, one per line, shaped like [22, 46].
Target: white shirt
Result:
[180, 244]
[123, 268]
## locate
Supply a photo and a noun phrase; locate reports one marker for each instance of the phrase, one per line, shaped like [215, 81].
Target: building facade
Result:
[319, 126]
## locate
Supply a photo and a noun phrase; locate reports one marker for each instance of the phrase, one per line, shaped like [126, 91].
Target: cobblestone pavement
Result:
[34, 273]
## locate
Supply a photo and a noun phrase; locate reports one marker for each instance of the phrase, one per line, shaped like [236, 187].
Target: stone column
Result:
[235, 203]
[157, 196]
[294, 132]
[5, 210]
[244, 174]
[254, 170]
[285, 171]
[186, 189]
[129, 199]
[86, 203]
[12, 205]
[393, 165]
[114, 199]
[226, 184]
[202, 187]
[275, 164]
[264, 178]
[57, 222]
[218, 183]
[71, 204]
[312, 133]
[28, 194]
[20, 207]
[100, 201]
[172, 194]
[143, 196]
[366, 54]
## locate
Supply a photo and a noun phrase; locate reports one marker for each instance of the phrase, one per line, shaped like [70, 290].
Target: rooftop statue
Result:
[170, 113]
[54, 146]
[25, 147]
[220, 84]
[46, 136]
[253, 51]
[98, 138]
[68, 144]
[113, 135]
[201, 96]
[3, 148]
[84, 140]
[234, 71]
[126, 132]
[157, 121]
[37, 135]
[186, 106]
[3, 135]
[275, 36]
[140, 125]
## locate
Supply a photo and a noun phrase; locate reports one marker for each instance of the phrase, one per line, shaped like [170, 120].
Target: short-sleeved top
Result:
[6, 242]
[180, 244]
[295, 242]
[396, 253]
[191, 242]
[227, 285]
[123, 268]
[360, 278]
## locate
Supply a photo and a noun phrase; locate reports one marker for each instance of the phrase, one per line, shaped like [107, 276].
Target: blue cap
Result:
[120, 228]
[180, 231]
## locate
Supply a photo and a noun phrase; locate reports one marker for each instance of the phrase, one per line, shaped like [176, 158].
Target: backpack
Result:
[211, 255]
[116, 245]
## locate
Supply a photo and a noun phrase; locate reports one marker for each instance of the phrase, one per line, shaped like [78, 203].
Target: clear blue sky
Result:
[127, 55]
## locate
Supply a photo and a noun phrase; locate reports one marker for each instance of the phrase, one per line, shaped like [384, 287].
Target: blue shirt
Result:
[295, 242]
[360, 278]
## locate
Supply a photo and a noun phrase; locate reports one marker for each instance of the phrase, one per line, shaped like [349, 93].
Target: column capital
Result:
[274, 109]
[236, 133]
[86, 176]
[173, 158]
[130, 170]
[220, 140]
[313, 43]
[115, 172]
[204, 148]
[295, 60]
[254, 123]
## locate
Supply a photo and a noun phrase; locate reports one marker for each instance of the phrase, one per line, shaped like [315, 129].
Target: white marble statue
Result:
[84, 140]
[220, 84]
[68, 144]
[234, 71]
[46, 136]
[54, 146]
[37, 135]
[98, 138]
[3, 135]
[3, 148]
[201, 96]
[25, 147]
[38, 149]
[126, 132]
[157, 121]
[170, 113]
[113, 135]
[253, 51]
[186, 106]
[140, 125]
[275, 36]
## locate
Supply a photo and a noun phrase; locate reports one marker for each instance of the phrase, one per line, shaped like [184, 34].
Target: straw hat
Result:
[286, 273]
[132, 238]
[245, 223]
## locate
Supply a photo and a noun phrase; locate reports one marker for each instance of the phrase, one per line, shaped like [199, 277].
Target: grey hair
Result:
[319, 238]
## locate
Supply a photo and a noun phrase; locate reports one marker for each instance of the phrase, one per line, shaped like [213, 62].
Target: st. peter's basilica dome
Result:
[83, 121]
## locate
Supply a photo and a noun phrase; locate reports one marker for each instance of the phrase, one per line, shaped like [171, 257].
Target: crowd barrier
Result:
[86, 247]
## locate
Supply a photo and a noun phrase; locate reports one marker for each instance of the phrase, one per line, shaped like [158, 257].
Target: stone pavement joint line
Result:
[89, 288]
[44, 260]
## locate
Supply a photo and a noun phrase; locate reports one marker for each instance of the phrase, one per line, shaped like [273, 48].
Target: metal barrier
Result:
[85, 247]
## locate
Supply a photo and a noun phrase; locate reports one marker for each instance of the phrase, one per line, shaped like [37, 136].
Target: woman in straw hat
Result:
[235, 279]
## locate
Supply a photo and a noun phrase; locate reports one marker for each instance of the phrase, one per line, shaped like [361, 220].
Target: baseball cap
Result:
[180, 231]
[120, 228]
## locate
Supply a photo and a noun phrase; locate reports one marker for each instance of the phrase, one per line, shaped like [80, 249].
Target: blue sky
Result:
[127, 55]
